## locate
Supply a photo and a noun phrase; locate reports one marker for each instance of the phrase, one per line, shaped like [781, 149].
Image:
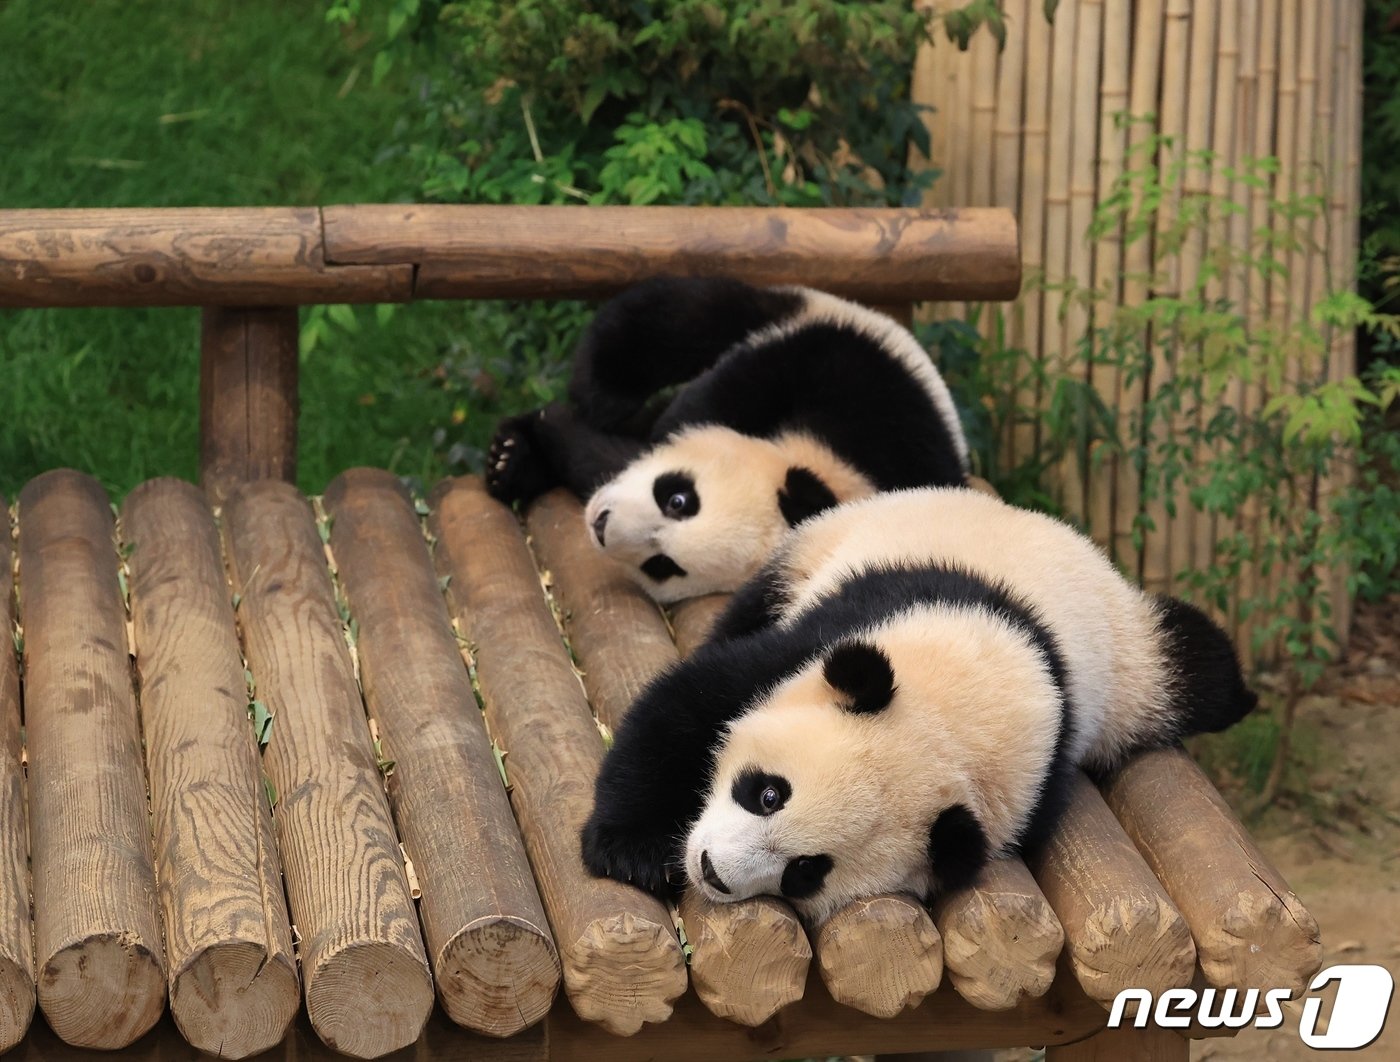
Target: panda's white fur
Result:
[913, 679]
[739, 523]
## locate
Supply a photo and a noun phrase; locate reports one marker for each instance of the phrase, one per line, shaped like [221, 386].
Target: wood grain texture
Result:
[494, 959]
[623, 966]
[1000, 938]
[187, 256]
[368, 987]
[881, 956]
[247, 397]
[1121, 928]
[693, 619]
[16, 930]
[97, 931]
[233, 978]
[616, 631]
[880, 255]
[1124, 1045]
[1251, 931]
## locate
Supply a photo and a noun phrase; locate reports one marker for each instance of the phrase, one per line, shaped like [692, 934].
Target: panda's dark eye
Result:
[676, 495]
[761, 793]
[770, 799]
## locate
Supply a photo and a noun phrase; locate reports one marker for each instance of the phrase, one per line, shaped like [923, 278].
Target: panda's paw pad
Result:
[514, 469]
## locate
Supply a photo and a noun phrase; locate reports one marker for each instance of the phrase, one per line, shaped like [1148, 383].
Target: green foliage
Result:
[1380, 131]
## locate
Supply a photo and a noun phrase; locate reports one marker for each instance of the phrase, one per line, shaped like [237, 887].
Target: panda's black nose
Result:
[599, 523]
[712, 879]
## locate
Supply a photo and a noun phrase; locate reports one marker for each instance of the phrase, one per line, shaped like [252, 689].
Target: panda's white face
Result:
[698, 514]
[799, 808]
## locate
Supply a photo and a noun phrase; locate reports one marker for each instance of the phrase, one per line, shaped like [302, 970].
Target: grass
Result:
[216, 102]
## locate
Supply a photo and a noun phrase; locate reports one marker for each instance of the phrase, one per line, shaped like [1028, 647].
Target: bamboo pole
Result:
[493, 958]
[1251, 931]
[929, 86]
[1000, 938]
[748, 959]
[16, 930]
[1103, 475]
[96, 927]
[1143, 90]
[981, 122]
[367, 982]
[1034, 306]
[623, 965]
[233, 977]
[1162, 544]
[1006, 175]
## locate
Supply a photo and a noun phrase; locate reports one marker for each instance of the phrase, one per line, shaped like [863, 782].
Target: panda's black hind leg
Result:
[1210, 693]
[517, 468]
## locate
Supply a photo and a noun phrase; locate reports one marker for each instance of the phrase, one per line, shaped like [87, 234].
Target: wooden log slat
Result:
[748, 959]
[1250, 930]
[233, 978]
[97, 931]
[16, 931]
[496, 966]
[564, 252]
[1121, 929]
[247, 397]
[368, 988]
[623, 965]
[188, 256]
[1000, 938]
[1114, 1045]
[693, 619]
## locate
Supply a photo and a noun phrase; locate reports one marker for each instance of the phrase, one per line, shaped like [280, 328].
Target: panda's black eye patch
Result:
[676, 495]
[760, 793]
[805, 875]
[660, 568]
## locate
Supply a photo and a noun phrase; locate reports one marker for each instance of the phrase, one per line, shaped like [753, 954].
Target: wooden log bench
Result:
[421, 689]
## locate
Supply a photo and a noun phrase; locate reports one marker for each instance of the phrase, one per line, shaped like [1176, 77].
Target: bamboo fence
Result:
[1039, 127]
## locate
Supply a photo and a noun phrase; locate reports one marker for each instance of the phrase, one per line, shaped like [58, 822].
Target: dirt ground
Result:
[1336, 837]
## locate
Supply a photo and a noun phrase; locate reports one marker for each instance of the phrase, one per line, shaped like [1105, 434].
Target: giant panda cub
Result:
[901, 694]
[706, 417]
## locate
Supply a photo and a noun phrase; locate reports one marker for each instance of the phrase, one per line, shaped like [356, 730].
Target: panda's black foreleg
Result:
[551, 447]
[1210, 692]
[755, 606]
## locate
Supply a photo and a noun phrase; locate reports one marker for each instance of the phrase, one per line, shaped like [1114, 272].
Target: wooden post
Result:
[247, 397]
[1124, 1045]
[97, 933]
[496, 965]
[748, 959]
[1000, 938]
[623, 965]
[368, 988]
[881, 956]
[16, 933]
[233, 977]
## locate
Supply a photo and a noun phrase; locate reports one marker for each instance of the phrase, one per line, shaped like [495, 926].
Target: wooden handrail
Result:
[282, 256]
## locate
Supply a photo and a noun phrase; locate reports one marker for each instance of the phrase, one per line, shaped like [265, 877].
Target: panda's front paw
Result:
[516, 470]
[630, 856]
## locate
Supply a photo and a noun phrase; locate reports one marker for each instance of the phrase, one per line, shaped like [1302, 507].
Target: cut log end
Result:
[1000, 938]
[1282, 944]
[16, 1002]
[233, 1000]
[498, 976]
[370, 998]
[1137, 941]
[624, 971]
[749, 959]
[104, 992]
[880, 956]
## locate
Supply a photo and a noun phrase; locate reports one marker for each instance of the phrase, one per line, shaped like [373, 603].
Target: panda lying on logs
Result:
[789, 402]
[901, 694]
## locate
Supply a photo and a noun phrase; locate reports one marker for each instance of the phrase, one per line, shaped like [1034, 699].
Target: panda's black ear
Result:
[803, 494]
[863, 674]
[957, 847]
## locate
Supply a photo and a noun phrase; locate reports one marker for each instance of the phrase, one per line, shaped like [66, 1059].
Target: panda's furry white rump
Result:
[901, 694]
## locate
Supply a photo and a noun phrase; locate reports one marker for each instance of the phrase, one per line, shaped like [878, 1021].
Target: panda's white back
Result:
[1106, 629]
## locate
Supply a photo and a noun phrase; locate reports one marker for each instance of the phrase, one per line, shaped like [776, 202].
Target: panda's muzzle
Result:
[712, 879]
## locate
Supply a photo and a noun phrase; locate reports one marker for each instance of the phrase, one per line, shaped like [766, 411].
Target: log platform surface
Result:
[435, 730]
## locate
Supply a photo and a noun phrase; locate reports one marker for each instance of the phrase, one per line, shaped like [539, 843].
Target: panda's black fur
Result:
[654, 779]
[672, 353]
